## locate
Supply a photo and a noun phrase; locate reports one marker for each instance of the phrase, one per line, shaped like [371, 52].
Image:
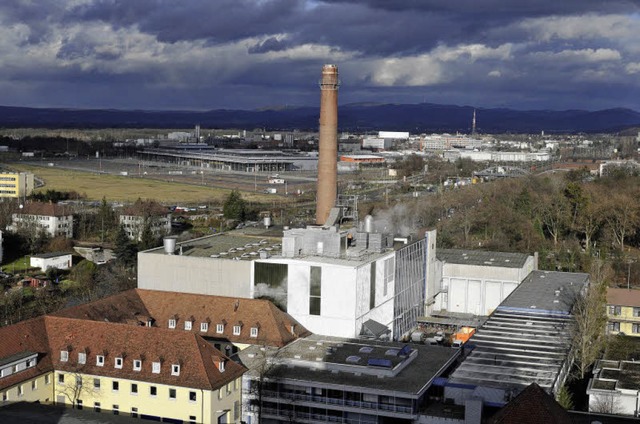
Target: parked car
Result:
[439, 337]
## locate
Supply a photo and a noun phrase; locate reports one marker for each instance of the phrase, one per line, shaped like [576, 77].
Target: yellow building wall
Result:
[626, 320]
[35, 389]
[203, 410]
[9, 185]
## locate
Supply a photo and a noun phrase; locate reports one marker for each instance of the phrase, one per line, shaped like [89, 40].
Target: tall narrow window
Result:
[315, 289]
[372, 287]
[389, 270]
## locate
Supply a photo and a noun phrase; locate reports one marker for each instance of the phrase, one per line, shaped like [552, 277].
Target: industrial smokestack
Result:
[328, 144]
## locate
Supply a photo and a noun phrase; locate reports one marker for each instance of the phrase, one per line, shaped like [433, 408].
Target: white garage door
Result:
[493, 295]
[457, 295]
[474, 297]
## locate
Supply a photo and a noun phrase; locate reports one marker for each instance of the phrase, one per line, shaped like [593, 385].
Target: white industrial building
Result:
[474, 282]
[393, 135]
[615, 388]
[332, 281]
[487, 155]
[377, 143]
[44, 261]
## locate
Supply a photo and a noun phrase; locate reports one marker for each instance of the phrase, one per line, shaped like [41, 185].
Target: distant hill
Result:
[424, 117]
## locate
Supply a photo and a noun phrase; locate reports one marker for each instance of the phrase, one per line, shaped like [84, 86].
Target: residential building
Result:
[321, 379]
[526, 340]
[615, 388]
[16, 185]
[623, 311]
[136, 217]
[147, 372]
[53, 219]
[44, 261]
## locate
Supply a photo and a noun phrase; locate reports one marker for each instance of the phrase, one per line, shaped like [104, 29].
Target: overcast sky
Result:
[246, 54]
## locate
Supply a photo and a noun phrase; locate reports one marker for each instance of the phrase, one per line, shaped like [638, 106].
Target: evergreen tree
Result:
[235, 207]
[147, 239]
[564, 398]
[124, 250]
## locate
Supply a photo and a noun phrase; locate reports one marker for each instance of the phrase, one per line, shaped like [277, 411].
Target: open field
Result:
[128, 189]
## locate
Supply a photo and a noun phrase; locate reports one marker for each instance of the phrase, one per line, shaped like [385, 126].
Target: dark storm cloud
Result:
[245, 53]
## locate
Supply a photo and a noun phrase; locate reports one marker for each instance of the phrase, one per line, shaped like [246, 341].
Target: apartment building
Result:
[146, 372]
[53, 219]
[136, 217]
[623, 311]
[16, 185]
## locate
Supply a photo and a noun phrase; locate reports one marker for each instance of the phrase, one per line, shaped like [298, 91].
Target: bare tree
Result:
[74, 386]
[606, 403]
[623, 216]
[590, 319]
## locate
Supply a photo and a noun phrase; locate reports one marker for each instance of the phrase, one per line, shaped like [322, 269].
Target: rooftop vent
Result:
[169, 245]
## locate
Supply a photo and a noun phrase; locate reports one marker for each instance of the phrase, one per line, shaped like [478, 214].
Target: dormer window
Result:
[219, 328]
[155, 367]
[175, 369]
[221, 365]
[172, 323]
[254, 331]
[64, 355]
[118, 363]
[137, 364]
[204, 327]
[236, 330]
[188, 325]
[82, 358]
[100, 360]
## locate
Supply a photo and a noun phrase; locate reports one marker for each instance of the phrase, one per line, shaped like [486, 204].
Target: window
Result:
[192, 396]
[372, 286]
[5, 396]
[614, 310]
[134, 412]
[116, 409]
[34, 385]
[118, 363]
[172, 393]
[636, 312]
[96, 406]
[635, 328]
[192, 419]
[153, 391]
[254, 331]
[389, 270]
[188, 325]
[47, 379]
[204, 326]
[60, 378]
[175, 369]
[100, 360]
[78, 381]
[614, 326]
[172, 323]
[137, 364]
[219, 328]
[79, 404]
[82, 358]
[96, 383]
[115, 385]
[315, 290]
[64, 355]
[236, 330]
[20, 390]
[221, 366]
[134, 388]
[155, 367]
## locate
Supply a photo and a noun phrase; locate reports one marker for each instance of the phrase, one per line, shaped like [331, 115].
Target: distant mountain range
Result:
[415, 118]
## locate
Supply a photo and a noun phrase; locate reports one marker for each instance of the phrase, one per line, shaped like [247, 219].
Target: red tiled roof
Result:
[48, 336]
[194, 354]
[623, 297]
[44, 209]
[145, 208]
[25, 336]
[532, 406]
[137, 305]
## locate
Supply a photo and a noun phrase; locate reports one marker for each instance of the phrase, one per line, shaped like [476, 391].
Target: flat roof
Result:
[51, 255]
[320, 360]
[482, 258]
[547, 292]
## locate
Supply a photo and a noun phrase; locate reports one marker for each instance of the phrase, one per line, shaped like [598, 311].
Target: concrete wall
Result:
[613, 401]
[60, 262]
[190, 274]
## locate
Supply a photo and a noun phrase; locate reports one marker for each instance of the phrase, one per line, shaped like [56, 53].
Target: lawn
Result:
[17, 266]
[127, 189]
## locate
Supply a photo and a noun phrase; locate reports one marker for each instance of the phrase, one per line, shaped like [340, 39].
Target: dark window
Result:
[372, 289]
[172, 393]
[192, 396]
[274, 278]
[96, 406]
[115, 385]
[60, 378]
[315, 290]
[153, 390]
[134, 388]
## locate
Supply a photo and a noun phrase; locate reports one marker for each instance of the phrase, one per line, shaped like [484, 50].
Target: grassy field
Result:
[128, 189]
